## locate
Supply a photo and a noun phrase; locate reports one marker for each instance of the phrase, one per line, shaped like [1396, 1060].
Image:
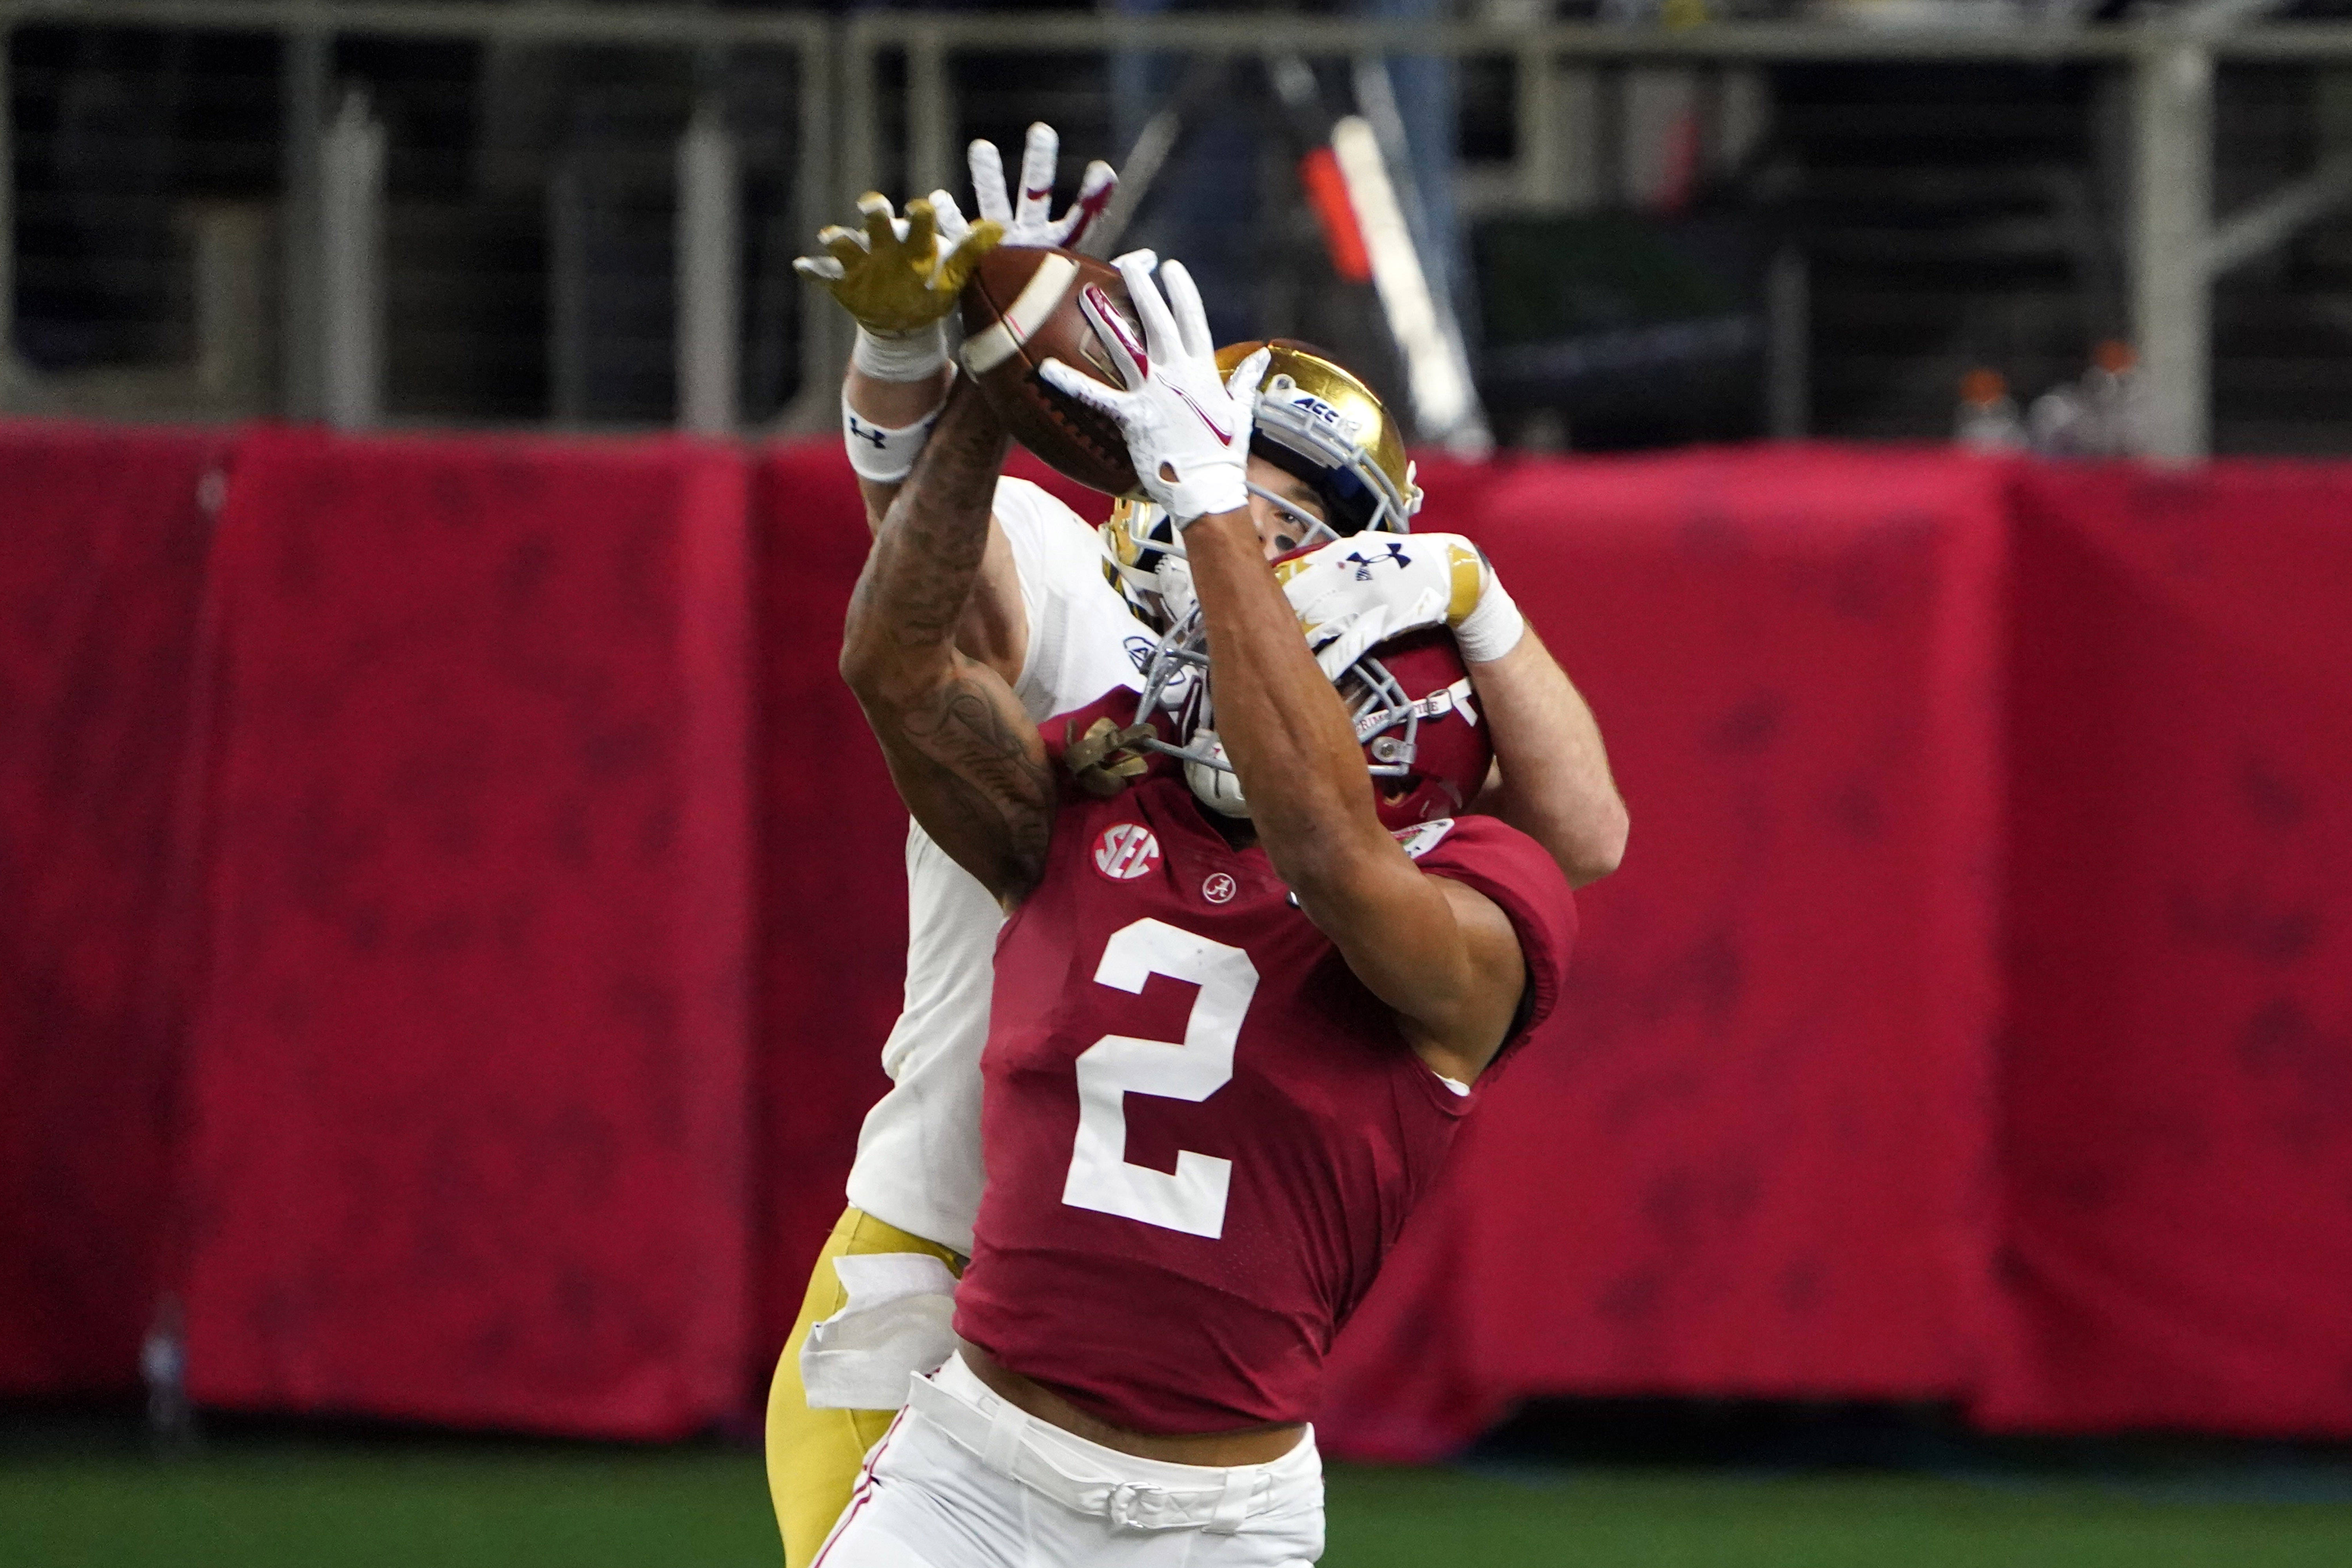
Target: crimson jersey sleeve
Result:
[1526, 883]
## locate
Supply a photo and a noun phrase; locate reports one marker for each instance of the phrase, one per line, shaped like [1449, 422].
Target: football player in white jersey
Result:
[1046, 617]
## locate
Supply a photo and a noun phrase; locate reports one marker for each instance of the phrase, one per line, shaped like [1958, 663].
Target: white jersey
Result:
[919, 1163]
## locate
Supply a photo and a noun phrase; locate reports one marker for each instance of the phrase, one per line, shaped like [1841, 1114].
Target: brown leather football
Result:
[1020, 309]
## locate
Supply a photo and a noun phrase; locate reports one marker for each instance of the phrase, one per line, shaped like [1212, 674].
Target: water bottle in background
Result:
[1987, 420]
[2111, 401]
[164, 1367]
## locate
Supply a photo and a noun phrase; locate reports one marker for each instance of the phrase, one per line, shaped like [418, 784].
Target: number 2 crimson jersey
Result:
[1202, 1131]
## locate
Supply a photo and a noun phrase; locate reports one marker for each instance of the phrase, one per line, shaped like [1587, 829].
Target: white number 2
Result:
[1192, 1199]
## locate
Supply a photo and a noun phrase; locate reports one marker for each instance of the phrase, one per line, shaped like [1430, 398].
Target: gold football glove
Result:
[891, 276]
[1102, 760]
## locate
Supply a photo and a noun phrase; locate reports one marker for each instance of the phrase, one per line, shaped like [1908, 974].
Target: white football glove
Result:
[1353, 594]
[1026, 218]
[1187, 428]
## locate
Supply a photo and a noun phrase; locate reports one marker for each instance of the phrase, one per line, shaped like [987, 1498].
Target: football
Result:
[1021, 308]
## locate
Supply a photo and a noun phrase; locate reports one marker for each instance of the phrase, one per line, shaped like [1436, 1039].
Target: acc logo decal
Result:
[1126, 851]
[1423, 837]
[1220, 887]
[1308, 402]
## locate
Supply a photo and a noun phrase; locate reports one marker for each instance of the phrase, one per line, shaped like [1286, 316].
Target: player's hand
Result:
[1187, 428]
[1025, 216]
[1353, 594]
[891, 276]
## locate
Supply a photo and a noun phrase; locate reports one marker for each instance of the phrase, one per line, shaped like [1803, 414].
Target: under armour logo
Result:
[861, 431]
[1395, 557]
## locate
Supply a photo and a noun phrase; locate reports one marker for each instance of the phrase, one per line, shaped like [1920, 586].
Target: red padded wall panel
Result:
[2177, 1094]
[101, 577]
[471, 1069]
[1751, 1157]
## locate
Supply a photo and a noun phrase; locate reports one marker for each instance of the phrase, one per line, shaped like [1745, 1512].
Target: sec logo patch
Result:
[1126, 851]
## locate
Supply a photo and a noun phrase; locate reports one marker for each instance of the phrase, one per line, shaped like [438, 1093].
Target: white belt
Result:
[1017, 1446]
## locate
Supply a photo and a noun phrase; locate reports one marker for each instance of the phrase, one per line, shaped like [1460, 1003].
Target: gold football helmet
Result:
[1315, 420]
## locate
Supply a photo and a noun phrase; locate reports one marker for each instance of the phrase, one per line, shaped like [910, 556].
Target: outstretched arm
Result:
[1441, 953]
[965, 758]
[1553, 782]
[898, 279]
[994, 628]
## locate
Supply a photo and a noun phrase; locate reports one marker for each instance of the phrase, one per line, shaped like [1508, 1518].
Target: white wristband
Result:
[879, 453]
[1493, 627]
[910, 357]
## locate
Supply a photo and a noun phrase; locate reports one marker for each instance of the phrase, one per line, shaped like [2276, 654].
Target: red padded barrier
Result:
[1751, 1156]
[496, 835]
[470, 1069]
[100, 578]
[2178, 1099]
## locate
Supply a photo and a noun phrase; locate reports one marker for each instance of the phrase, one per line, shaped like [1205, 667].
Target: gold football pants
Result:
[813, 1455]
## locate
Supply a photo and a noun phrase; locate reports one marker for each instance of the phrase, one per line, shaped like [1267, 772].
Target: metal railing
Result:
[331, 299]
[2174, 245]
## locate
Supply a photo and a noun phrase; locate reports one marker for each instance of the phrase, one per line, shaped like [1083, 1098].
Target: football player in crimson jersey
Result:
[1041, 616]
[1141, 1336]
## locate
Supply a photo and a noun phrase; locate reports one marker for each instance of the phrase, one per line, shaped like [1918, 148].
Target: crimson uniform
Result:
[1172, 1233]
[1203, 1134]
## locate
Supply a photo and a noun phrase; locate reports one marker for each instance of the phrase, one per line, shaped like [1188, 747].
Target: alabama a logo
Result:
[1126, 851]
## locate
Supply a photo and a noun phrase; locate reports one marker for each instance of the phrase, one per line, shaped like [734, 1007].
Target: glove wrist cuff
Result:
[900, 356]
[1203, 495]
[1492, 628]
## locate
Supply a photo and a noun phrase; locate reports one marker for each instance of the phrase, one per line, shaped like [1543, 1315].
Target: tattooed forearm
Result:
[996, 774]
[965, 757]
[963, 730]
[927, 555]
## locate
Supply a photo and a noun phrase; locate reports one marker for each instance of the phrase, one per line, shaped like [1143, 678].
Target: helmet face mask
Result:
[1409, 700]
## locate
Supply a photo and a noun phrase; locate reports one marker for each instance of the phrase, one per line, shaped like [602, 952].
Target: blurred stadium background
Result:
[449, 908]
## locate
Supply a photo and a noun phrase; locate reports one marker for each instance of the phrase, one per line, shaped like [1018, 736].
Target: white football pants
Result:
[965, 1480]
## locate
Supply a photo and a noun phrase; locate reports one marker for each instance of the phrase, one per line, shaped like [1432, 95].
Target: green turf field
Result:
[405, 1505]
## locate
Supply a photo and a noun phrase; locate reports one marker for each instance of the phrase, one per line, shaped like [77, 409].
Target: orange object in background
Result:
[1982, 386]
[1326, 193]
